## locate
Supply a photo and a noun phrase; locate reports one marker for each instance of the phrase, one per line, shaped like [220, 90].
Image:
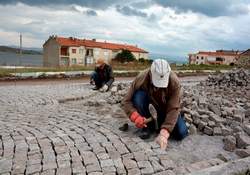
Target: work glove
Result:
[138, 120]
[162, 139]
[104, 88]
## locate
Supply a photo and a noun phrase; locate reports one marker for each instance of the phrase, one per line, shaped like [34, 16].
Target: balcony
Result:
[64, 52]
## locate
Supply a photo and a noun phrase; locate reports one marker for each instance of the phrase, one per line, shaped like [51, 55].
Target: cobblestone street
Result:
[39, 135]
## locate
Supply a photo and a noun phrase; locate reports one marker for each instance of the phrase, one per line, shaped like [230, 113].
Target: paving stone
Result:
[229, 143]
[5, 165]
[167, 163]
[129, 164]
[95, 173]
[107, 163]
[77, 167]
[63, 164]
[89, 158]
[103, 156]
[140, 156]
[224, 157]
[108, 169]
[48, 172]
[146, 167]
[62, 157]
[215, 161]
[49, 166]
[93, 168]
[198, 166]
[135, 171]
[208, 130]
[247, 129]
[243, 152]
[217, 131]
[33, 169]
[156, 166]
[167, 172]
[201, 125]
[242, 140]
[63, 171]
[226, 131]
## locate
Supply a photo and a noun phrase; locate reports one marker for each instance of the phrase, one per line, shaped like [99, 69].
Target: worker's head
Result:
[100, 62]
[160, 71]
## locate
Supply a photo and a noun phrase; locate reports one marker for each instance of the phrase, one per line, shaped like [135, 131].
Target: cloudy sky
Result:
[170, 27]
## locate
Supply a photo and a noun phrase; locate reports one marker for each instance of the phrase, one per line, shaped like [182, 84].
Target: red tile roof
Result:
[91, 43]
[218, 53]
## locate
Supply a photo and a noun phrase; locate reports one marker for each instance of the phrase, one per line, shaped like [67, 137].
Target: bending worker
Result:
[102, 77]
[160, 87]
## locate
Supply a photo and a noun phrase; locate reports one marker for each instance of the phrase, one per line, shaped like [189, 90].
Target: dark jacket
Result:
[105, 74]
[167, 99]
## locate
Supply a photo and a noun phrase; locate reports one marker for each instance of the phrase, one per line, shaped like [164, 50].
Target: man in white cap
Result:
[160, 87]
[102, 77]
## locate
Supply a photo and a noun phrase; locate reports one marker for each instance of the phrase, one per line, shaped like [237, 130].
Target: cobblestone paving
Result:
[38, 135]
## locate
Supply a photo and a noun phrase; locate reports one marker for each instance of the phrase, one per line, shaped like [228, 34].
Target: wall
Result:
[140, 55]
[51, 51]
[229, 60]
[201, 59]
[79, 55]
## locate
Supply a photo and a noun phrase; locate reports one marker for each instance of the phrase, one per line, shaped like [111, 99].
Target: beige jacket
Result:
[168, 98]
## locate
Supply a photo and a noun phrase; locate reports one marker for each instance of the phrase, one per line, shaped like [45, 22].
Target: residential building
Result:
[60, 51]
[226, 57]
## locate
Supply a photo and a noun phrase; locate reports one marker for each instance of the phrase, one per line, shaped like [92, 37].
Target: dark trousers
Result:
[141, 102]
[98, 81]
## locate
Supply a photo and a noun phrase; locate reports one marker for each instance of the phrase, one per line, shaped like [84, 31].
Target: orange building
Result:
[60, 51]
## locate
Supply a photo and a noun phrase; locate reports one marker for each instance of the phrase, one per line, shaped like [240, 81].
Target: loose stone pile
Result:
[239, 77]
[221, 106]
[218, 107]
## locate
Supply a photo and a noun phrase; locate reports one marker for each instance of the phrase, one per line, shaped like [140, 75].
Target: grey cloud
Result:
[98, 4]
[88, 12]
[91, 13]
[141, 4]
[212, 8]
[129, 11]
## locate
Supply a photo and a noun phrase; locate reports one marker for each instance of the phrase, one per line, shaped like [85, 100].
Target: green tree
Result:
[125, 56]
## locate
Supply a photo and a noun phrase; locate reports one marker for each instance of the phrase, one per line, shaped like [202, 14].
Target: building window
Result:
[197, 62]
[73, 60]
[73, 50]
[81, 51]
[219, 59]
[197, 57]
[97, 52]
[106, 53]
[202, 58]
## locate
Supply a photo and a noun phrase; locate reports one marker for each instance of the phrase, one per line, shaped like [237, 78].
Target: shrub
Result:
[125, 56]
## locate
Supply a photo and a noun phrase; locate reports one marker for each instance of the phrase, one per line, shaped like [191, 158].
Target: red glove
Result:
[138, 120]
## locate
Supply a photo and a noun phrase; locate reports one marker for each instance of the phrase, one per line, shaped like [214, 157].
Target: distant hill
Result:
[169, 58]
[17, 50]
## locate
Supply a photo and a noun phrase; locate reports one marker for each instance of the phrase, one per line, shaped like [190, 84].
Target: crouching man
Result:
[160, 87]
[102, 77]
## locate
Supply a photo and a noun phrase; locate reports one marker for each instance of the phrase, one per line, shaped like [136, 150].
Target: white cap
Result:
[160, 71]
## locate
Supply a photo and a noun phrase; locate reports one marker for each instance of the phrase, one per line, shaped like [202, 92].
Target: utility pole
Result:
[21, 52]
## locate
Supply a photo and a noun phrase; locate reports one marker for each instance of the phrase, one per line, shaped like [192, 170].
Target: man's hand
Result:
[92, 82]
[104, 88]
[162, 139]
[138, 120]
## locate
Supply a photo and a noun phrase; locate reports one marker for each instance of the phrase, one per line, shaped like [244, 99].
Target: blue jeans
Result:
[98, 82]
[141, 102]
